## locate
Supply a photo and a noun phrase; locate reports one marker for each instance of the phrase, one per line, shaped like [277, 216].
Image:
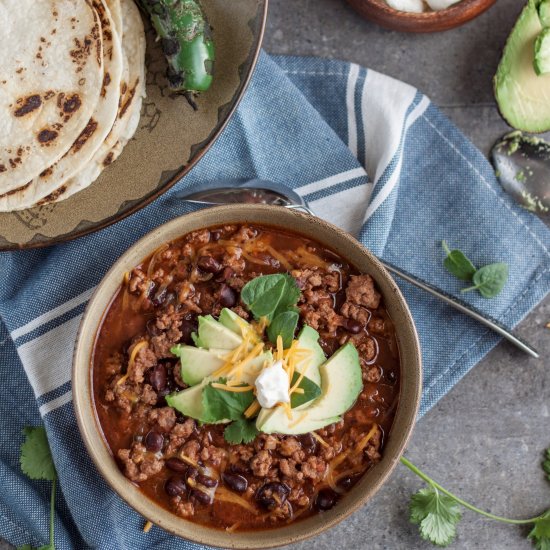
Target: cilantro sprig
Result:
[37, 463]
[274, 297]
[437, 512]
[488, 280]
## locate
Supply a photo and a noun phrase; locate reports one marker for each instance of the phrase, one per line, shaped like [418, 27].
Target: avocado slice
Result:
[232, 321]
[542, 52]
[341, 384]
[212, 334]
[544, 13]
[276, 421]
[309, 339]
[197, 363]
[522, 96]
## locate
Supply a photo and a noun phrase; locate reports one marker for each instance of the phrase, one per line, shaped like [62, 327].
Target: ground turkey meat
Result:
[361, 292]
[164, 419]
[139, 464]
[261, 463]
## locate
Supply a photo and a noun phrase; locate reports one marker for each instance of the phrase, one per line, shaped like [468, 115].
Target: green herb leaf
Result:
[458, 264]
[311, 391]
[540, 534]
[284, 325]
[268, 295]
[546, 464]
[436, 514]
[224, 405]
[36, 457]
[240, 431]
[489, 280]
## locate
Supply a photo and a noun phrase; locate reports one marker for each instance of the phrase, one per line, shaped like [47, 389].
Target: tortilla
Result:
[93, 134]
[132, 94]
[50, 80]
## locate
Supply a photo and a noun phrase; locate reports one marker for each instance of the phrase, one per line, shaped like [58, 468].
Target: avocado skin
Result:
[528, 115]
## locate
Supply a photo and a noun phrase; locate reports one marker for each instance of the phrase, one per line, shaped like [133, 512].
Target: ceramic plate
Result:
[170, 139]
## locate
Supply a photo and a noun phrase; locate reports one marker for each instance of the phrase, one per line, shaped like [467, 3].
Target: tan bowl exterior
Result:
[434, 21]
[335, 239]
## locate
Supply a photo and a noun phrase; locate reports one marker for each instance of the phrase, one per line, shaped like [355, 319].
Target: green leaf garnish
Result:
[240, 431]
[36, 457]
[546, 464]
[540, 534]
[436, 514]
[284, 325]
[269, 295]
[221, 404]
[489, 280]
[311, 391]
[458, 264]
[37, 463]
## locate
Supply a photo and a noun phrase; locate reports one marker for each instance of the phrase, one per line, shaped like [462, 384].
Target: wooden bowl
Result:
[433, 21]
[309, 226]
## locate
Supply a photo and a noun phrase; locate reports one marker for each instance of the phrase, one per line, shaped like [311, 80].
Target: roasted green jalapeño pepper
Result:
[186, 40]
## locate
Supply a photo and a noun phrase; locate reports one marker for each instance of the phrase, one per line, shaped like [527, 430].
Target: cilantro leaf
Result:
[436, 514]
[36, 458]
[540, 534]
[284, 325]
[270, 295]
[240, 431]
[489, 280]
[546, 464]
[311, 391]
[458, 263]
[221, 404]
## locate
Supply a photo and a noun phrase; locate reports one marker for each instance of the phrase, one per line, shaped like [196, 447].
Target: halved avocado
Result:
[523, 97]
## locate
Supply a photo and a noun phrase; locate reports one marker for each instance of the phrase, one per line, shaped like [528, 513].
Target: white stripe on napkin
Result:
[345, 208]
[384, 193]
[52, 314]
[350, 105]
[331, 180]
[56, 403]
[47, 359]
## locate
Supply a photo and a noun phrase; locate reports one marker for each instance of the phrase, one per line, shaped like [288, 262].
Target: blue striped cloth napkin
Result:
[319, 126]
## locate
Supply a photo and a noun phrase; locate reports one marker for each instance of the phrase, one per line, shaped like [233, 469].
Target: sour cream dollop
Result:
[272, 386]
[419, 6]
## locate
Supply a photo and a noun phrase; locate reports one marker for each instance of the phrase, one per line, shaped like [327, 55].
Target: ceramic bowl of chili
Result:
[379, 12]
[294, 483]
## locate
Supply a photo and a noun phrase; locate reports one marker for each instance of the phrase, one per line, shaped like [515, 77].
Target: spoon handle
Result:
[468, 310]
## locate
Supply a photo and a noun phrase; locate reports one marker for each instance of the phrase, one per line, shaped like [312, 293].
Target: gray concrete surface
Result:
[485, 438]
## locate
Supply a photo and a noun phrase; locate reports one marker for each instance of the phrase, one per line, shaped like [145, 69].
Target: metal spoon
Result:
[522, 165]
[259, 191]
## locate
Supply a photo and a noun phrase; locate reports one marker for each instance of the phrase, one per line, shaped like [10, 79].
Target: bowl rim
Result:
[90, 429]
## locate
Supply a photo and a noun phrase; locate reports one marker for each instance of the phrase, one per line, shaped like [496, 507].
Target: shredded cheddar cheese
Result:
[320, 439]
[280, 350]
[147, 526]
[135, 350]
[224, 495]
[236, 389]
[253, 409]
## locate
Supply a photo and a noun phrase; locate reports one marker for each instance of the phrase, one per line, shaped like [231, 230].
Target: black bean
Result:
[152, 328]
[228, 297]
[326, 499]
[215, 235]
[192, 473]
[154, 442]
[236, 482]
[176, 465]
[209, 264]
[265, 494]
[175, 486]
[353, 326]
[188, 326]
[347, 482]
[160, 297]
[309, 443]
[157, 377]
[206, 481]
[201, 497]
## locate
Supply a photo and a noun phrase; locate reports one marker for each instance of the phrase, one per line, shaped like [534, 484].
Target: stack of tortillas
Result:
[72, 79]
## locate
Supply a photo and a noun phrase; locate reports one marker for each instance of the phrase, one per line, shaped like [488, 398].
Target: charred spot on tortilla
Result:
[2, 168]
[108, 159]
[106, 82]
[46, 173]
[84, 136]
[128, 102]
[52, 196]
[46, 136]
[71, 104]
[27, 104]
[48, 95]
